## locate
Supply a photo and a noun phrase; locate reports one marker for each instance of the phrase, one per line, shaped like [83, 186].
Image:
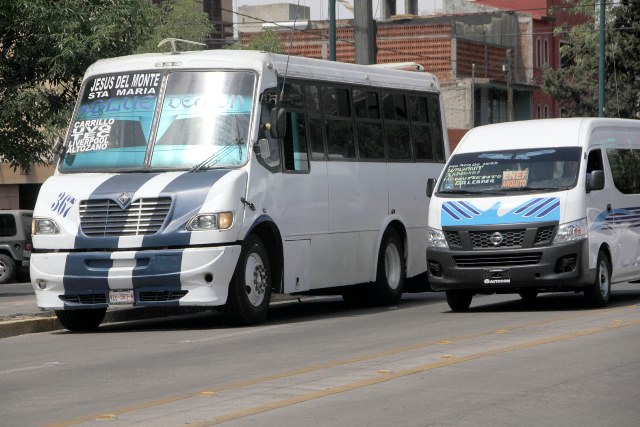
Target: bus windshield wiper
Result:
[212, 160]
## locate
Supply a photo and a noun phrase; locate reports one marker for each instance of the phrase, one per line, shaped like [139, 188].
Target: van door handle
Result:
[608, 207]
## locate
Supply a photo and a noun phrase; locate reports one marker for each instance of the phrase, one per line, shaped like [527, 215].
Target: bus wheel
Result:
[528, 295]
[7, 268]
[391, 274]
[459, 300]
[597, 295]
[81, 320]
[250, 287]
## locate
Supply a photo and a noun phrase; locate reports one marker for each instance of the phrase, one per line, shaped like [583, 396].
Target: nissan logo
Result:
[496, 239]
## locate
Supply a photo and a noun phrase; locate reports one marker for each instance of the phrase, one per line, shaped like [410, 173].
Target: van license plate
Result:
[121, 297]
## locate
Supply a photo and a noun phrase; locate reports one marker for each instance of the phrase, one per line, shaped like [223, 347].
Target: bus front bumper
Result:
[179, 277]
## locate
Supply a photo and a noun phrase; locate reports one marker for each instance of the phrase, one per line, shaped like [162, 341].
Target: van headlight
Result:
[41, 226]
[211, 221]
[436, 239]
[571, 231]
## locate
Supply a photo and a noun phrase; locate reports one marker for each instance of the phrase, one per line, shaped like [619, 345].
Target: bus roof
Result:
[292, 66]
[563, 132]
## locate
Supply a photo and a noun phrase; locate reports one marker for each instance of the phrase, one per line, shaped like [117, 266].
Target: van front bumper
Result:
[180, 277]
[548, 268]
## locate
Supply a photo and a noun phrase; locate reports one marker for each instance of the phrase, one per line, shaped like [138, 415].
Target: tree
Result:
[576, 85]
[45, 48]
[266, 41]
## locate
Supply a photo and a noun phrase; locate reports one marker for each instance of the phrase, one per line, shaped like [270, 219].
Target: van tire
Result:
[597, 295]
[250, 287]
[391, 271]
[459, 300]
[81, 320]
[7, 269]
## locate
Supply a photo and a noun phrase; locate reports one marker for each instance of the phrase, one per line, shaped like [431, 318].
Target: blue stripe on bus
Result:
[544, 213]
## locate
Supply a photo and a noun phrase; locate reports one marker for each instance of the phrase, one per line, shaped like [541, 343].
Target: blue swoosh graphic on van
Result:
[617, 218]
[535, 210]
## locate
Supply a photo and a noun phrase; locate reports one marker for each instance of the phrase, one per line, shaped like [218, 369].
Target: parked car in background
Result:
[15, 243]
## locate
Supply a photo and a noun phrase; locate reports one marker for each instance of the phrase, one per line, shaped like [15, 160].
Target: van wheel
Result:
[459, 300]
[250, 287]
[597, 295]
[81, 320]
[528, 295]
[391, 271]
[7, 268]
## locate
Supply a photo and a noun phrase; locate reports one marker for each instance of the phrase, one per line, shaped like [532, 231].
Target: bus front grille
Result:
[104, 218]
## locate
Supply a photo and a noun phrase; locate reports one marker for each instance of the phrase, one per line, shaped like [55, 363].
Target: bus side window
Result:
[295, 143]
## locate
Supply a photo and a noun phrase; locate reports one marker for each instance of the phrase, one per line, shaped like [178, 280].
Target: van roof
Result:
[535, 133]
[293, 66]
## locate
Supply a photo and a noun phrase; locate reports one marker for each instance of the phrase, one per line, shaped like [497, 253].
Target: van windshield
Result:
[151, 121]
[499, 172]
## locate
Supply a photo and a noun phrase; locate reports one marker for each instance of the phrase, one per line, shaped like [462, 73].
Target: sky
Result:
[320, 8]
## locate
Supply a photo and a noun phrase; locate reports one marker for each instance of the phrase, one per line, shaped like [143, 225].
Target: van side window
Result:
[594, 162]
[624, 164]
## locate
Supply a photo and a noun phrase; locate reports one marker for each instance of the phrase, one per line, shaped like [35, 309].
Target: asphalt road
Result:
[318, 363]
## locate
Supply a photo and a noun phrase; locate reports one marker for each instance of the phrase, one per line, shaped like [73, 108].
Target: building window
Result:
[546, 111]
[538, 112]
[538, 53]
[546, 52]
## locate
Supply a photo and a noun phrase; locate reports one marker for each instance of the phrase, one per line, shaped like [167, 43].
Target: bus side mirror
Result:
[263, 148]
[278, 122]
[595, 180]
[431, 185]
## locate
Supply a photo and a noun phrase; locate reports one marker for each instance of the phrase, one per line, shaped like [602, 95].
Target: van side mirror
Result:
[431, 186]
[278, 122]
[595, 180]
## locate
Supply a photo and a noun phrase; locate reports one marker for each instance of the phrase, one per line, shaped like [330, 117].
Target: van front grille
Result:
[104, 218]
[498, 260]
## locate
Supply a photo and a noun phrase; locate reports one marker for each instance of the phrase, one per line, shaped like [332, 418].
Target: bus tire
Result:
[458, 299]
[250, 287]
[391, 272]
[597, 295]
[7, 268]
[83, 320]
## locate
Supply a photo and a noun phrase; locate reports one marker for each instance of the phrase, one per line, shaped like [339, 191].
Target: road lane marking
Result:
[337, 363]
[407, 372]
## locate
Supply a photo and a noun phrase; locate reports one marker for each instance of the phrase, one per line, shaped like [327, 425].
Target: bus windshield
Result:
[134, 121]
[488, 173]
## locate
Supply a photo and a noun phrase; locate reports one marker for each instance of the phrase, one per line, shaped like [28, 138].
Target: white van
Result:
[538, 206]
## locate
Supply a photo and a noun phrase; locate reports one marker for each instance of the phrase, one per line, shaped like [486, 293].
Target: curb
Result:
[47, 320]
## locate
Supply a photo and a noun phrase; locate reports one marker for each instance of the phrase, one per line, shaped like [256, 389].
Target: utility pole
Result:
[601, 62]
[509, 88]
[365, 32]
[332, 30]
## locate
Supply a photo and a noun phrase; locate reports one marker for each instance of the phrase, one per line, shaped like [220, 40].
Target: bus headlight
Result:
[436, 239]
[44, 226]
[211, 221]
[571, 231]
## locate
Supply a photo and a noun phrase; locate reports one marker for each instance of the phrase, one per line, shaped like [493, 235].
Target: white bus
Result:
[216, 178]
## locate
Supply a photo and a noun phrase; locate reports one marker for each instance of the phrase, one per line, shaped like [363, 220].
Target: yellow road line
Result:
[416, 370]
[328, 365]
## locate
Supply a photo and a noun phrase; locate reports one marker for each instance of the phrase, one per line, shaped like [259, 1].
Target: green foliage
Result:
[182, 19]
[576, 86]
[45, 48]
[265, 41]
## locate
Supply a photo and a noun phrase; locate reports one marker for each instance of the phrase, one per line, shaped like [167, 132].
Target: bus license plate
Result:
[121, 296]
